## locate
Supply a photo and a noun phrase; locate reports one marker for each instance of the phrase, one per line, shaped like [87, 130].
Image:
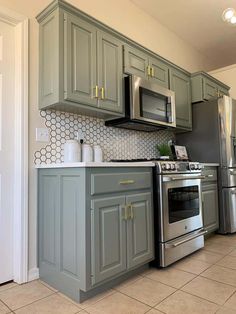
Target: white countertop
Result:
[210, 164]
[96, 164]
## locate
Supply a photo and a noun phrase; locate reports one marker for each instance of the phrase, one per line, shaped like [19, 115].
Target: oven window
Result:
[154, 106]
[183, 203]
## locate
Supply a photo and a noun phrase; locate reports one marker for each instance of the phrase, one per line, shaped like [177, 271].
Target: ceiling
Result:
[199, 23]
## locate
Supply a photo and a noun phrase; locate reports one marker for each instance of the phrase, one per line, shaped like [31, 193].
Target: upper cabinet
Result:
[80, 66]
[180, 83]
[82, 63]
[206, 87]
[139, 63]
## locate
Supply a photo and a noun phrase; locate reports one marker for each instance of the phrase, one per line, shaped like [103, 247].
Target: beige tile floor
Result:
[203, 283]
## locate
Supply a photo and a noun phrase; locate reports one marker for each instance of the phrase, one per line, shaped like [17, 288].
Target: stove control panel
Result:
[179, 166]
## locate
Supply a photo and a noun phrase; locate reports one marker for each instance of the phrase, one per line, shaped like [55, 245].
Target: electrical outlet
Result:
[42, 135]
[79, 135]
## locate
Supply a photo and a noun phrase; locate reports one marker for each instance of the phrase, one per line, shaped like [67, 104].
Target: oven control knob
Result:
[192, 167]
[173, 167]
[163, 166]
[168, 166]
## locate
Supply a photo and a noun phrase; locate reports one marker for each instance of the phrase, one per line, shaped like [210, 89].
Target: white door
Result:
[7, 152]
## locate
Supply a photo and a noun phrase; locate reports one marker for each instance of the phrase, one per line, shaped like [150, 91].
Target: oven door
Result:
[152, 103]
[181, 208]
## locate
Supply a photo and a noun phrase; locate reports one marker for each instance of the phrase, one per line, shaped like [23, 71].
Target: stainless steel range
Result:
[178, 211]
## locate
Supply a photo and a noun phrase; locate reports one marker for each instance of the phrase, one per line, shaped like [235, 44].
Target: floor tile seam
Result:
[87, 306]
[225, 267]
[68, 299]
[181, 285]
[134, 299]
[6, 305]
[216, 252]
[229, 298]
[128, 284]
[46, 285]
[194, 295]
[195, 273]
[33, 302]
[154, 307]
[7, 288]
[151, 306]
[227, 284]
[165, 284]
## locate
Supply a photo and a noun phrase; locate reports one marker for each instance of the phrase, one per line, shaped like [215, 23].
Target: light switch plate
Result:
[42, 135]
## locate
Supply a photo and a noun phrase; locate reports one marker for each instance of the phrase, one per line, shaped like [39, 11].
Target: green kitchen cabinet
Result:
[205, 87]
[122, 236]
[139, 229]
[91, 234]
[108, 240]
[180, 83]
[80, 66]
[210, 205]
[80, 61]
[140, 63]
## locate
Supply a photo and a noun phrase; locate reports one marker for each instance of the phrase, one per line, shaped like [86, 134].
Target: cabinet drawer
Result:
[210, 174]
[114, 182]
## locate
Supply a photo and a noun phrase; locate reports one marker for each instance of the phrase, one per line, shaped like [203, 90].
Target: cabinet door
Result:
[80, 61]
[180, 84]
[159, 72]
[110, 75]
[108, 238]
[209, 89]
[140, 240]
[135, 62]
[210, 207]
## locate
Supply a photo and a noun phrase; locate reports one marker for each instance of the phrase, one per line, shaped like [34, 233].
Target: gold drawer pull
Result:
[102, 93]
[124, 212]
[152, 71]
[96, 92]
[127, 182]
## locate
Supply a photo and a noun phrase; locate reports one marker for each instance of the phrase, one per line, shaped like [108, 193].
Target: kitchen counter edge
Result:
[96, 164]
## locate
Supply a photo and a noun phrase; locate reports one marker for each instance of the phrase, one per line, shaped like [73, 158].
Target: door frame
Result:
[20, 211]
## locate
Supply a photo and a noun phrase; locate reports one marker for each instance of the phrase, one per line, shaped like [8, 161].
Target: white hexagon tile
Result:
[115, 143]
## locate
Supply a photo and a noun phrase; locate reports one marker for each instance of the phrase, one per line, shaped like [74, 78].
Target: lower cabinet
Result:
[109, 243]
[90, 234]
[210, 205]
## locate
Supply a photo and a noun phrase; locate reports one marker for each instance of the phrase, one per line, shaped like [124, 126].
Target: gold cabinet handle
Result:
[96, 92]
[149, 70]
[102, 93]
[152, 72]
[131, 212]
[124, 182]
[125, 212]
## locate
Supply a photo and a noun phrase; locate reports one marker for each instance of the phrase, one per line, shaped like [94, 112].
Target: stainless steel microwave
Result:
[148, 106]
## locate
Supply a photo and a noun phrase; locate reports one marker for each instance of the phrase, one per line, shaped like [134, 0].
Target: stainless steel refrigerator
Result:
[213, 139]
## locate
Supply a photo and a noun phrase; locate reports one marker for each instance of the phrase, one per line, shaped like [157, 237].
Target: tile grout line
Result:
[32, 302]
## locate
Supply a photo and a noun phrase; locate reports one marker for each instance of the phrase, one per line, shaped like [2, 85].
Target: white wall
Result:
[227, 75]
[123, 16]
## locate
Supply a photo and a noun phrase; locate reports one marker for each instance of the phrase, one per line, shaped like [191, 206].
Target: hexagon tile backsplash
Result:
[115, 143]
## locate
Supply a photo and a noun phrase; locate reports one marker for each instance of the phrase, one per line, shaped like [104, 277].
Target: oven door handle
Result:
[167, 179]
[196, 235]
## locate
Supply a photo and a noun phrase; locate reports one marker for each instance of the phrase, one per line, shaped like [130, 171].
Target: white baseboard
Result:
[33, 274]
